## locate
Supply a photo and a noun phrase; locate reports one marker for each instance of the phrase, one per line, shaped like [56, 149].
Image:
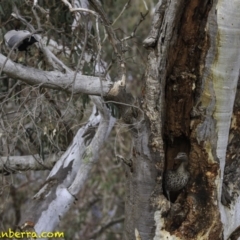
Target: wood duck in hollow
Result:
[175, 180]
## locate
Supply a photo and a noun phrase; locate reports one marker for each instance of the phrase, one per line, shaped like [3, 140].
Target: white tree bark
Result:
[219, 78]
[69, 174]
[225, 71]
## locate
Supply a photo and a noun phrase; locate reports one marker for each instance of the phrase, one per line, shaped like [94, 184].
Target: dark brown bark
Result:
[170, 101]
[232, 171]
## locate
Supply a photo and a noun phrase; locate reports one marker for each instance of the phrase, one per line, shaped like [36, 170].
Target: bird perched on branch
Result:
[175, 180]
[20, 40]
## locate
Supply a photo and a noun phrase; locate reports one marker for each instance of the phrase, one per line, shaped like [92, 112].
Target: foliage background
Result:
[102, 200]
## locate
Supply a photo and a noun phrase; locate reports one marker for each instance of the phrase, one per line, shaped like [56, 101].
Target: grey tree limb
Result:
[28, 162]
[55, 79]
[69, 174]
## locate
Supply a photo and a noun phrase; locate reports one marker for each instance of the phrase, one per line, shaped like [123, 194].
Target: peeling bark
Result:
[187, 105]
[140, 185]
[187, 101]
[69, 174]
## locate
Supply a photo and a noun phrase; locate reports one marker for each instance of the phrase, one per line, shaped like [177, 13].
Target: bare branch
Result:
[132, 35]
[121, 13]
[91, 153]
[105, 226]
[69, 174]
[51, 58]
[68, 4]
[116, 44]
[55, 80]
[30, 162]
[145, 5]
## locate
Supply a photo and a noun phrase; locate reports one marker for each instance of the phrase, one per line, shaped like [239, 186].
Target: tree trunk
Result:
[190, 85]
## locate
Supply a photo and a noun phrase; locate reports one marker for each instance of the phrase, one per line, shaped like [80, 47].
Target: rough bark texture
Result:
[55, 79]
[187, 105]
[69, 174]
[140, 185]
[182, 102]
[183, 88]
